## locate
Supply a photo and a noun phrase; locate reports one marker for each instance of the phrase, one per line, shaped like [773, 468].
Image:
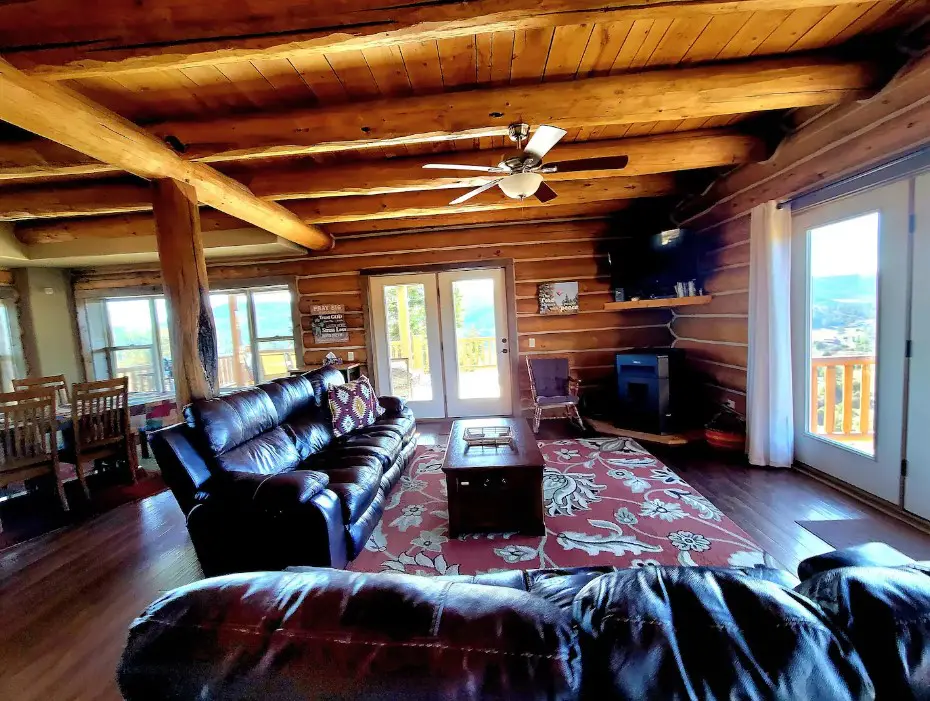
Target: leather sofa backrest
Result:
[227, 422]
[291, 395]
[725, 634]
[885, 612]
[343, 635]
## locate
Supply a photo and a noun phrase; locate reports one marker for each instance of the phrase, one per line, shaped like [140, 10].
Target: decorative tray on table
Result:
[488, 436]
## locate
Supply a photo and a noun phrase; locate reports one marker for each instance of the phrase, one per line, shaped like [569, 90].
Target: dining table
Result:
[148, 411]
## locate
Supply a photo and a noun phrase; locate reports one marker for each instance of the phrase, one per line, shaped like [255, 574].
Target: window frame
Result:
[17, 358]
[249, 290]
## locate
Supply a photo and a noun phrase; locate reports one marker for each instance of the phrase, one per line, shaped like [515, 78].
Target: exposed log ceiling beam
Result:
[648, 155]
[288, 29]
[837, 143]
[69, 119]
[360, 208]
[679, 93]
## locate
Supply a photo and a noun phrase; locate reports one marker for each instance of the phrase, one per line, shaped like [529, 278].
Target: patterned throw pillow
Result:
[353, 406]
[378, 408]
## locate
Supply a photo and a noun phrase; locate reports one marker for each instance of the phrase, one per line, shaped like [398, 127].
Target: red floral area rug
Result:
[607, 502]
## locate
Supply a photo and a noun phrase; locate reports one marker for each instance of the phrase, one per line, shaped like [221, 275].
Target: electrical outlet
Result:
[532, 343]
[730, 404]
[350, 355]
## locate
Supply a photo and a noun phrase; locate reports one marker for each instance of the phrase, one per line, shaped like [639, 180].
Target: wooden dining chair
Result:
[29, 439]
[100, 417]
[54, 382]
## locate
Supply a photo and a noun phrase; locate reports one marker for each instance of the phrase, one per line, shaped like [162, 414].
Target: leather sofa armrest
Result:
[393, 405]
[295, 518]
[865, 555]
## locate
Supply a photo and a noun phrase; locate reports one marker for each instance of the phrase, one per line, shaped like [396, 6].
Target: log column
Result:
[184, 274]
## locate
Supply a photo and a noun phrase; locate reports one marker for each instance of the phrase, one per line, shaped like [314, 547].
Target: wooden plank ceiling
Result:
[333, 107]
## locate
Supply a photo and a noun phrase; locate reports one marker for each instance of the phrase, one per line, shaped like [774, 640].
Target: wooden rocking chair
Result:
[553, 388]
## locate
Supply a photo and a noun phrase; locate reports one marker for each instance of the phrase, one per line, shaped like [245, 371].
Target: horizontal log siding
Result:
[716, 336]
[559, 251]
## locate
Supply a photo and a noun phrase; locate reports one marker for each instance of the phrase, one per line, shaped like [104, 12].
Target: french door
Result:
[917, 482]
[850, 267]
[441, 342]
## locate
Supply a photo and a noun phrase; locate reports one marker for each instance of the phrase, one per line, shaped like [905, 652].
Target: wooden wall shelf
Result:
[658, 303]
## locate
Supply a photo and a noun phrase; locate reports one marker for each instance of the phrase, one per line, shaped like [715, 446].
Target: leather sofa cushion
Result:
[271, 452]
[291, 395]
[666, 632]
[322, 380]
[392, 405]
[230, 421]
[403, 423]
[355, 480]
[885, 612]
[312, 432]
[383, 445]
[348, 635]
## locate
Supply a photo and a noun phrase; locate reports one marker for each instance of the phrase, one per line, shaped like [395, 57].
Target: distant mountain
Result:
[845, 288]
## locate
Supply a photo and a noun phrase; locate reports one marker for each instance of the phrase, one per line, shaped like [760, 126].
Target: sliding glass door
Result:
[849, 315]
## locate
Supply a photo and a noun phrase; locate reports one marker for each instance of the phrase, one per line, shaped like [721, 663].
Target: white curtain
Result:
[770, 410]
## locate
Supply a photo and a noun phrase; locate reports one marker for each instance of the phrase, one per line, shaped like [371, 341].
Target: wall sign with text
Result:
[328, 323]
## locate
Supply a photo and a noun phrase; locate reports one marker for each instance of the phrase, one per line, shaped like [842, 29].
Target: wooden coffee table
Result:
[494, 489]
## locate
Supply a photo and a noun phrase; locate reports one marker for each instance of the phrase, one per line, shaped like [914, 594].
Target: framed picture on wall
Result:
[558, 298]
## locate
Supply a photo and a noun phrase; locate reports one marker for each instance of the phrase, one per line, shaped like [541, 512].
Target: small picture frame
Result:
[558, 298]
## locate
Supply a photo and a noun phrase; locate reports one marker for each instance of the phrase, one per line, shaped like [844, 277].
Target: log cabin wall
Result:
[548, 251]
[716, 336]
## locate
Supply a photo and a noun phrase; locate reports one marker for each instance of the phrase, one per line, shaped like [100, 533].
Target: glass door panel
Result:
[848, 309]
[475, 344]
[843, 312]
[405, 322]
[917, 484]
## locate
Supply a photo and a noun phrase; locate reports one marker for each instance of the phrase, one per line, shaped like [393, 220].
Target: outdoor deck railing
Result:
[842, 397]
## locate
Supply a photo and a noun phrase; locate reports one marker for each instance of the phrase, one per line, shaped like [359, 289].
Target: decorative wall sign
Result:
[558, 298]
[328, 323]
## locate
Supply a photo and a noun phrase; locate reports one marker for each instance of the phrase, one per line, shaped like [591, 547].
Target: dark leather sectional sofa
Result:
[857, 626]
[265, 484]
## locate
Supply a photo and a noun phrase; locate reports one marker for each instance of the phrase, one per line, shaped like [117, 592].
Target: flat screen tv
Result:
[649, 266]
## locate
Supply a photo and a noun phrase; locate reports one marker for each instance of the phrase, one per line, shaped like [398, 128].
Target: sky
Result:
[848, 247]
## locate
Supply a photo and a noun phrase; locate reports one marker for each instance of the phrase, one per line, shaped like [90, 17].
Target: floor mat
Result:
[844, 533]
[608, 501]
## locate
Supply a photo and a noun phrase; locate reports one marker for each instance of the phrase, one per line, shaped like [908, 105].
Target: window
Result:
[128, 336]
[12, 364]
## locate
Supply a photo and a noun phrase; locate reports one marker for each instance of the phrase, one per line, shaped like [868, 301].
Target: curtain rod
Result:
[893, 169]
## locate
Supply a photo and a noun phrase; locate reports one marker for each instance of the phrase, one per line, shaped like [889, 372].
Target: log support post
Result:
[184, 275]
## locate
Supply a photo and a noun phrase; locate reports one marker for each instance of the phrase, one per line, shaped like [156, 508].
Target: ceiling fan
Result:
[522, 173]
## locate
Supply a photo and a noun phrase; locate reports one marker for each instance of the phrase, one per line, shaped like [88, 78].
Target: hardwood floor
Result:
[67, 598]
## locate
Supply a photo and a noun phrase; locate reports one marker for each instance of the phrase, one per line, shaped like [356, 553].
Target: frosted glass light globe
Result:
[519, 186]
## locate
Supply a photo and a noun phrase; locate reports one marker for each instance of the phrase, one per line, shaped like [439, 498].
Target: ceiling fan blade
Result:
[543, 140]
[603, 163]
[477, 191]
[480, 169]
[545, 193]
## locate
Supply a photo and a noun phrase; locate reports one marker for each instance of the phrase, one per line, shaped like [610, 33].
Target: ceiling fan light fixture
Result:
[519, 186]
